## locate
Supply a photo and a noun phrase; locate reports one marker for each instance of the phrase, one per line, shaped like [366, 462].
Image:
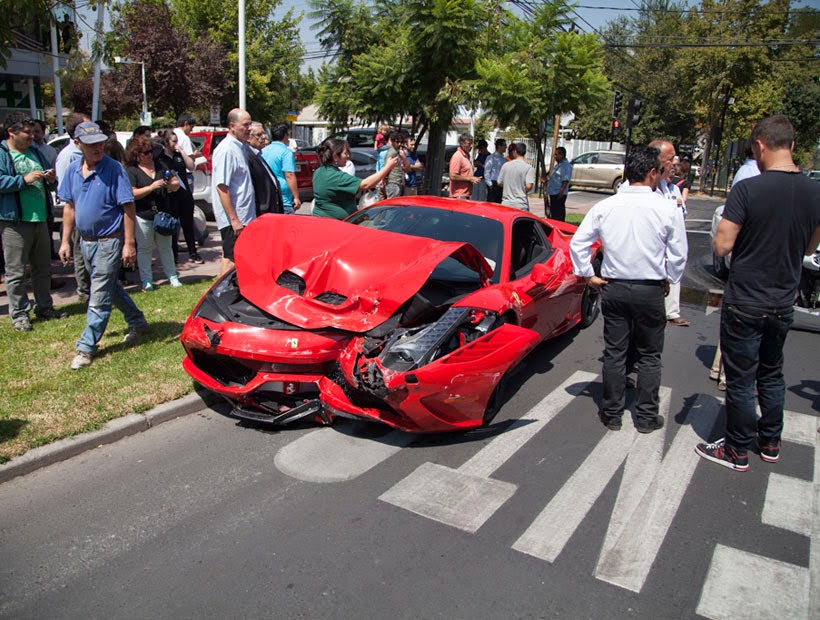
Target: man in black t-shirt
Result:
[770, 222]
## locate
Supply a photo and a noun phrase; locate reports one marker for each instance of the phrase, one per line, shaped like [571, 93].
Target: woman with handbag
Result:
[174, 158]
[157, 220]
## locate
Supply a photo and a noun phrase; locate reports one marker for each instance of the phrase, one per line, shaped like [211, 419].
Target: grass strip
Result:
[42, 399]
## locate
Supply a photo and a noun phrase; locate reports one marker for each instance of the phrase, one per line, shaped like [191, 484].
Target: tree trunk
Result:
[434, 166]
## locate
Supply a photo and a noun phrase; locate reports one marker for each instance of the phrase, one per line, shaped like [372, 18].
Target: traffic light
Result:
[616, 127]
[633, 113]
[617, 104]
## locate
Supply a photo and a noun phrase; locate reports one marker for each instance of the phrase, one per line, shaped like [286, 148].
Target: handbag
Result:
[165, 224]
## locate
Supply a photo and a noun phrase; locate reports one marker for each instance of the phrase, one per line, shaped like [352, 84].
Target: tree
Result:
[181, 73]
[547, 71]
[415, 61]
[273, 51]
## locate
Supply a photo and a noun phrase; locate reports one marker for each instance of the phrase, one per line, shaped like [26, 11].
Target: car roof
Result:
[489, 210]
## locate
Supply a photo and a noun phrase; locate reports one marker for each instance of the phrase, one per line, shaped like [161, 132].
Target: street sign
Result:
[145, 118]
[291, 116]
[214, 114]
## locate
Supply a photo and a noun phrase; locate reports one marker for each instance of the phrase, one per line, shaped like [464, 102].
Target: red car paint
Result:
[321, 314]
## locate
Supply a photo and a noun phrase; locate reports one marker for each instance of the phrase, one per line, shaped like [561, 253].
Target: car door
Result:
[543, 306]
[583, 170]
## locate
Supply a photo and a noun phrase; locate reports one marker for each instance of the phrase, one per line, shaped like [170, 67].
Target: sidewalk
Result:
[66, 286]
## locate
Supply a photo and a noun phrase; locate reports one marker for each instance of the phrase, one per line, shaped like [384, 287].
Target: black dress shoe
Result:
[196, 258]
[613, 424]
[648, 427]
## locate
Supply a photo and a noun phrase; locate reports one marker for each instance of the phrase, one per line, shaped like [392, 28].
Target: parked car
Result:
[409, 313]
[720, 264]
[365, 160]
[357, 137]
[205, 140]
[59, 142]
[603, 169]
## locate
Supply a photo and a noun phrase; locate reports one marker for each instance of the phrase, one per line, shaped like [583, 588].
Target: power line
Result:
[639, 9]
[729, 44]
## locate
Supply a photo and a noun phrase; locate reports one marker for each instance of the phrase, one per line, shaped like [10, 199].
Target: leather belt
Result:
[645, 282]
[87, 238]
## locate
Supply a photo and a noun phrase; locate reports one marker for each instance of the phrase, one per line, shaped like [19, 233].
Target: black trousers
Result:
[558, 207]
[185, 209]
[634, 316]
[494, 193]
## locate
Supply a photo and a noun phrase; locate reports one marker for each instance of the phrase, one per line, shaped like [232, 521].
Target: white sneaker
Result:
[81, 360]
[147, 286]
[174, 280]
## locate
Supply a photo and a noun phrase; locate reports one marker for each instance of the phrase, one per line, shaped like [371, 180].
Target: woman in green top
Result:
[334, 191]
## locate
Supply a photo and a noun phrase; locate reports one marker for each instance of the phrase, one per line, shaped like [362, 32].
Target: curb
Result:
[113, 431]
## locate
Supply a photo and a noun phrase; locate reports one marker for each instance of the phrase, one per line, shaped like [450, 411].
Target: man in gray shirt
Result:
[517, 178]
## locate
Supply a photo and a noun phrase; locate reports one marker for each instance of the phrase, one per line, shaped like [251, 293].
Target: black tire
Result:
[497, 399]
[719, 266]
[617, 184]
[590, 306]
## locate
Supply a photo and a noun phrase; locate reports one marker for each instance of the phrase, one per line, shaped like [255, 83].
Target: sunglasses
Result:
[146, 152]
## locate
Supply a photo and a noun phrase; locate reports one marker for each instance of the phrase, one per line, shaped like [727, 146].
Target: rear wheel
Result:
[616, 184]
[590, 306]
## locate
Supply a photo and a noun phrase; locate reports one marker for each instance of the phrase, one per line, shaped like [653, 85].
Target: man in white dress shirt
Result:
[645, 251]
[671, 192]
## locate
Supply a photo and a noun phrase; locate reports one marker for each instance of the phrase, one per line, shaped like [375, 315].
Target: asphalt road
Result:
[543, 515]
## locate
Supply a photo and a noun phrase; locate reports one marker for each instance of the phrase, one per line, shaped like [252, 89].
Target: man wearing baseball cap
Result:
[100, 203]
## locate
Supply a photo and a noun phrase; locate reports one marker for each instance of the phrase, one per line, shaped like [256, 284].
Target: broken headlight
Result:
[409, 349]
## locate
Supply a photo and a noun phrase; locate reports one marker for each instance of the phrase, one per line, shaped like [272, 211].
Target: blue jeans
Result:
[102, 260]
[751, 340]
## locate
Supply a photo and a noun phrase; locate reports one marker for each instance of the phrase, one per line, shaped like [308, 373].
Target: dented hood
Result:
[373, 271]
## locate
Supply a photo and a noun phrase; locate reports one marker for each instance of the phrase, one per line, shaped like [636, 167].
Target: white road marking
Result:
[800, 428]
[762, 587]
[650, 492]
[449, 496]
[466, 497]
[814, 543]
[733, 588]
[628, 562]
[547, 535]
[331, 455]
[788, 504]
[500, 449]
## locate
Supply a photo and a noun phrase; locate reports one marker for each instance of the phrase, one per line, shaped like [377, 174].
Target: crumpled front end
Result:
[439, 377]
[269, 370]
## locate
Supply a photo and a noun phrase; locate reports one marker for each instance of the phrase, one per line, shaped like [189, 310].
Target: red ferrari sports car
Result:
[409, 313]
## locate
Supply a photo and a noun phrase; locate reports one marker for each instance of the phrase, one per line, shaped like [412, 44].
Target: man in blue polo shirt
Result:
[100, 203]
[283, 163]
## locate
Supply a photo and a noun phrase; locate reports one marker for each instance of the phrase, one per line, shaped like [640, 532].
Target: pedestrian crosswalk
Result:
[656, 470]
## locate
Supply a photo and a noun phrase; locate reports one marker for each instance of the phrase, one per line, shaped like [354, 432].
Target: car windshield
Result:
[486, 235]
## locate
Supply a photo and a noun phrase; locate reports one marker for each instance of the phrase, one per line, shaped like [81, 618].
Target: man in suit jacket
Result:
[265, 185]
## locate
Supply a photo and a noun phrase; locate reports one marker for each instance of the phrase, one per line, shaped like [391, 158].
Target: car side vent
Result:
[292, 282]
[329, 297]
